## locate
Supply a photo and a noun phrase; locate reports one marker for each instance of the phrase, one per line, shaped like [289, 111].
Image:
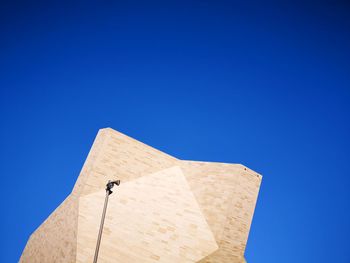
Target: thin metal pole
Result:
[101, 226]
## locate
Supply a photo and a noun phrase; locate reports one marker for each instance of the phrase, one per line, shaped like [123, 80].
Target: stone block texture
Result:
[165, 209]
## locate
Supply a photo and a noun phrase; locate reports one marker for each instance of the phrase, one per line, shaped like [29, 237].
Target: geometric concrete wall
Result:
[165, 209]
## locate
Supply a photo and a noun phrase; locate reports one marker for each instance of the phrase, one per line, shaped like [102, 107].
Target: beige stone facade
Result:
[165, 209]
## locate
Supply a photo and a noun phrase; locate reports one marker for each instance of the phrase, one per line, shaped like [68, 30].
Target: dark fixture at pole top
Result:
[110, 185]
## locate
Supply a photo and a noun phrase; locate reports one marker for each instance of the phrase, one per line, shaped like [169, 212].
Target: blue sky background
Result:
[263, 84]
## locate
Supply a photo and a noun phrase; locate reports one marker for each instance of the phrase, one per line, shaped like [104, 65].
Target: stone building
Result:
[165, 209]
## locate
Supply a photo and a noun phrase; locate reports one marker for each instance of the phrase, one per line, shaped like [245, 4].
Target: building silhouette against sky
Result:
[165, 209]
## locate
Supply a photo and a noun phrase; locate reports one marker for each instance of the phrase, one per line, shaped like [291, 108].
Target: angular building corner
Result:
[165, 209]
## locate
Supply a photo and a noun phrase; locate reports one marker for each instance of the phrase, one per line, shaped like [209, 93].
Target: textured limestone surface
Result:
[165, 210]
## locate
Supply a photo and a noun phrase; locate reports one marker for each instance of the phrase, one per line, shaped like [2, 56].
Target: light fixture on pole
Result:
[109, 187]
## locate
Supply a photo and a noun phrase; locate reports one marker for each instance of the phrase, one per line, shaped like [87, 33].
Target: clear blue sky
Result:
[262, 84]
